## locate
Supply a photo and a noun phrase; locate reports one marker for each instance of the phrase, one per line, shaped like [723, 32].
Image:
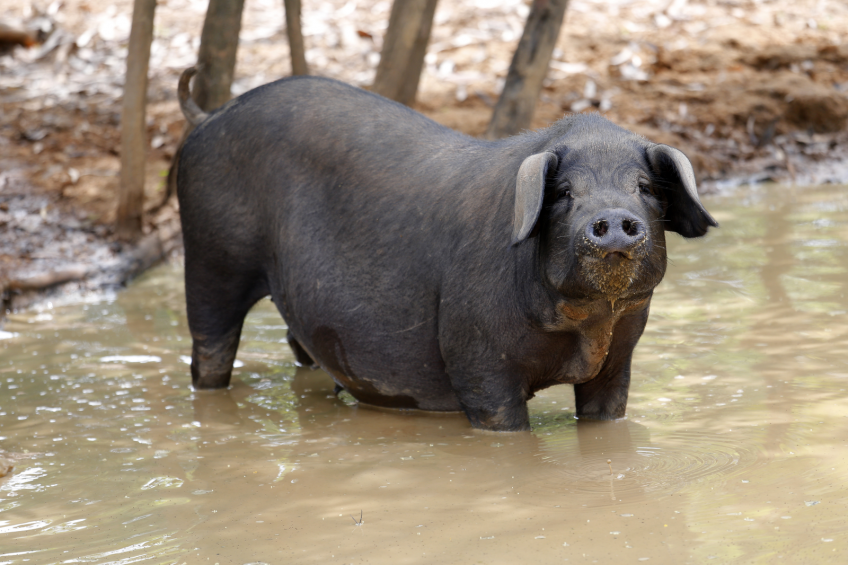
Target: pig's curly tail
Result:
[191, 110]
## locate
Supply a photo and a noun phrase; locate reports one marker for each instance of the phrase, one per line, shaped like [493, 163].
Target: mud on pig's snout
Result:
[614, 231]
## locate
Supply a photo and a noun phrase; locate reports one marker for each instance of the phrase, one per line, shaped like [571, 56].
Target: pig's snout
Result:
[615, 231]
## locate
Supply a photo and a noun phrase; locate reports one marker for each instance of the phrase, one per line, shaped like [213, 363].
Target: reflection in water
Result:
[734, 447]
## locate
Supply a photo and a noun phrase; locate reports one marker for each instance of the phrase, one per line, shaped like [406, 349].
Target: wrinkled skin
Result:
[422, 268]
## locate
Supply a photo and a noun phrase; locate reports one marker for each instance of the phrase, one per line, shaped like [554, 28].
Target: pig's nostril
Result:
[600, 228]
[630, 227]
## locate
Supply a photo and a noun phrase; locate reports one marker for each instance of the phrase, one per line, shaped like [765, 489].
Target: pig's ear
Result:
[530, 193]
[685, 214]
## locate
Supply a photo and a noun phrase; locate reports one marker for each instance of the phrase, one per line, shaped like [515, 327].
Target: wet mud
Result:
[734, 448]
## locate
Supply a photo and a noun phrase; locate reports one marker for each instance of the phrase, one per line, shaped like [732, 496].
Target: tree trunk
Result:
[216, 62]
[293, 29]
[133, 126]
[529, 66]
[217, 55]
[404, 47]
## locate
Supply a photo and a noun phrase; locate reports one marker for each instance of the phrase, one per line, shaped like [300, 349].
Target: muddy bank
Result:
[751, 91]
[51, 248]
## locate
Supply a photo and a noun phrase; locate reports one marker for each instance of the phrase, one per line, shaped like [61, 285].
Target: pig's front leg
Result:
[605, 396]
[507, 417]
[492, 401]
[492, 395]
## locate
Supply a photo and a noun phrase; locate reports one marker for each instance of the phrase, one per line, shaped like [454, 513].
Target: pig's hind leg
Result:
[217, 303]
[300, 354]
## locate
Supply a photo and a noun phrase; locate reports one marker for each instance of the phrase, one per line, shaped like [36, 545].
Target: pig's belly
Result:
[379, 364]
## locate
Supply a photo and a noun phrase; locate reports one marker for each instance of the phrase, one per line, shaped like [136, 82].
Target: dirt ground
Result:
[751, 90]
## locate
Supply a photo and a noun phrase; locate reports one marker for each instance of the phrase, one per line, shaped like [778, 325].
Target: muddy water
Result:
[735, 445]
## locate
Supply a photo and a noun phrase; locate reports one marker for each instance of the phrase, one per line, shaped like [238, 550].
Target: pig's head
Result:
[599, 201]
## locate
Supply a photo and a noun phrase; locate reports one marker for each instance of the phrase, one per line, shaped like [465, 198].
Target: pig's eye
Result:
[564, 191]
[645, 186]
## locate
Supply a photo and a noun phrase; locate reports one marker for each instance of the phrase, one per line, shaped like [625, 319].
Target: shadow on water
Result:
[733, 447]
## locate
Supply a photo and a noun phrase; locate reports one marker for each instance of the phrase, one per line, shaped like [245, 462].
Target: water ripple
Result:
[622, 461]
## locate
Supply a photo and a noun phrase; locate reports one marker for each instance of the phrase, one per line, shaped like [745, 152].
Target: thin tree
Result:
[133, 127]
[404, 47]
[217, 55]
[515, 107]
[295, 33]
[216, 64]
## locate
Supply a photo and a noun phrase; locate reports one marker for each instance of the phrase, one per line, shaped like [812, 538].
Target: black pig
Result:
[419, 267]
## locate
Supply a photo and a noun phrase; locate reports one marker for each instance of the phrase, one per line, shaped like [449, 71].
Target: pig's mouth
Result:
[618, 256]
[612, 272]
[611, 275]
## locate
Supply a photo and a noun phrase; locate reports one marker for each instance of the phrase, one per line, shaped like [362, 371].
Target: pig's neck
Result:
[593, 323]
